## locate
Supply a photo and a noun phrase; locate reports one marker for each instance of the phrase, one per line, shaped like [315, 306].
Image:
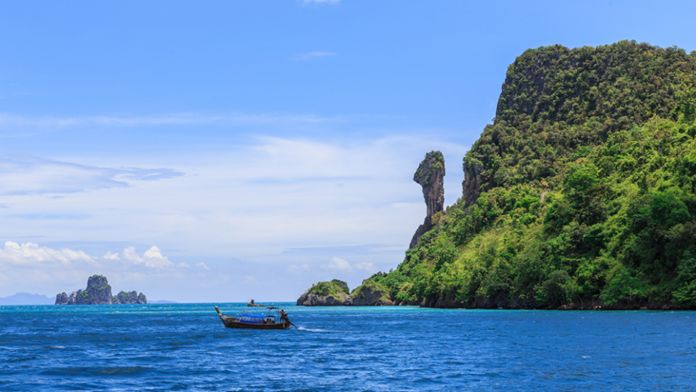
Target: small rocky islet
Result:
[430, 176]
[98, 292]
[336, 293]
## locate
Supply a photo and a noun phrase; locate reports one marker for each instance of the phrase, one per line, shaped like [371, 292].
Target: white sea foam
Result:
[312, 329]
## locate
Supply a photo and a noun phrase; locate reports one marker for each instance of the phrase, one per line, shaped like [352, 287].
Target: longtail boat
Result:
[254, 304]
[267, 320]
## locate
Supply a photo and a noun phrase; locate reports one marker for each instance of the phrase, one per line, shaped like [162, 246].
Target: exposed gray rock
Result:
[62, 299]
[430, 175]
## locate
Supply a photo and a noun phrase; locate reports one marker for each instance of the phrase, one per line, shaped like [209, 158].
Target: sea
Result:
[181, 347]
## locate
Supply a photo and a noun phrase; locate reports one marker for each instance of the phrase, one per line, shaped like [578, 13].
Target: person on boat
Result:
[284, 316]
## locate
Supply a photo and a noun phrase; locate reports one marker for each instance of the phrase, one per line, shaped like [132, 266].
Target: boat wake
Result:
[312, 329]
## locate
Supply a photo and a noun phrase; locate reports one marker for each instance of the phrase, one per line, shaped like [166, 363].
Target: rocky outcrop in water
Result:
[336, 293]
[129, 297]
[371, 293]
[98, 292]
[430, 175]
[330, 293]
[62, 299]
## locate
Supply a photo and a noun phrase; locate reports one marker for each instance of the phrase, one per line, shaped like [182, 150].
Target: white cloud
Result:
[339, 264]
[343, 265]
[313, 55]
[238, 210]
[111, 256]
[131, 254]
[365, 266]
[27, 254]
[152, 258]
[252, 201]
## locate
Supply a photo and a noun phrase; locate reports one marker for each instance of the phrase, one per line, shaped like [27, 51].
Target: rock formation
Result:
[371, 293]
[62, 299]
[98, 292]
[331, 293]
[336, 293]
[129, 297]
[430, 175]
[471, 186]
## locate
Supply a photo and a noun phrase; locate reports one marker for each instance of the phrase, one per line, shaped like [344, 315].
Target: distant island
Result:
[580, 195]
[26, 299]
[98, 292]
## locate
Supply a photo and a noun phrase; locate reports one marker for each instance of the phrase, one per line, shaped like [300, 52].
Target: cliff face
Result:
[555, 100]
[471, 187]
[98, 292]
[429, 176]
[372, 292]
[580, 194]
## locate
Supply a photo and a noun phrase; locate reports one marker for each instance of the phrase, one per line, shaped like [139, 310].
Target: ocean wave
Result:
[97, 371]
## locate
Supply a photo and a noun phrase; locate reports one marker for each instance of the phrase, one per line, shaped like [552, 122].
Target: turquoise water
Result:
[185, 347]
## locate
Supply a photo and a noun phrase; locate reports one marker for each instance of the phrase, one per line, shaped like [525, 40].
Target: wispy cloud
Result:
[42, 176]
[12, 121]
[342, 265]
[313, 55]
[330, 250]
[234, 209]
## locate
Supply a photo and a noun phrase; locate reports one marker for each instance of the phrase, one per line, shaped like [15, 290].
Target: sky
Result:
[227, 150]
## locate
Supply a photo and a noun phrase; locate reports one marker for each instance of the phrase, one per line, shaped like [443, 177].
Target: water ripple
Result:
[185, 347]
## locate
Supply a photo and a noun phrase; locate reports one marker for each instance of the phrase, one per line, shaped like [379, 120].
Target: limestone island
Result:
[581, 193]
[98, 292]
[336, 293]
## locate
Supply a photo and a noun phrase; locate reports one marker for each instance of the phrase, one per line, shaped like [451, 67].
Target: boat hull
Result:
[233, 323]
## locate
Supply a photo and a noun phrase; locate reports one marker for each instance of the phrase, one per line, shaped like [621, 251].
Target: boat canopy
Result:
[256, 318]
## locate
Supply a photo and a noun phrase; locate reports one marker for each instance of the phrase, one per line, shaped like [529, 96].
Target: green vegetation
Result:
[372, 291]
[588, 190]
[434, 161]
[335, 288]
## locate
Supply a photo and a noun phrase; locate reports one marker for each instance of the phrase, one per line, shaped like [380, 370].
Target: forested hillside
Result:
[581, 194]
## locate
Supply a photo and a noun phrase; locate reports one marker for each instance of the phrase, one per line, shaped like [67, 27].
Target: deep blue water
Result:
[185, 347]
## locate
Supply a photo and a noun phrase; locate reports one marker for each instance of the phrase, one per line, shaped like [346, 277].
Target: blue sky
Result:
[225, 150]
